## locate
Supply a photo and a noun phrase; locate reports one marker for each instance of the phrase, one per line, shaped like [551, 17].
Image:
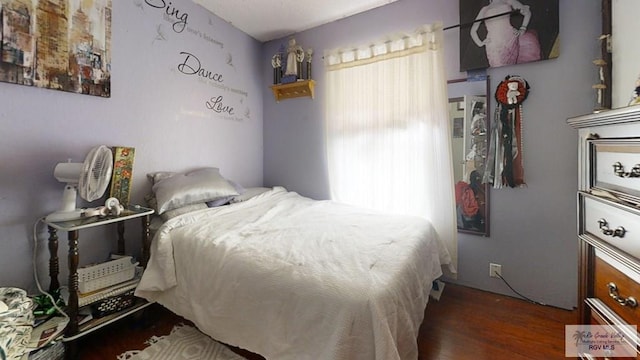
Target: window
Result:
[387, 130]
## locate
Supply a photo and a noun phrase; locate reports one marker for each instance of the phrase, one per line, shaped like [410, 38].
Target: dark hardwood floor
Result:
[465, 324]
[472, 324]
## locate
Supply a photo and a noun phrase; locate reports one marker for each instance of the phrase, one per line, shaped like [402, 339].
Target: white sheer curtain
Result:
[387, 129]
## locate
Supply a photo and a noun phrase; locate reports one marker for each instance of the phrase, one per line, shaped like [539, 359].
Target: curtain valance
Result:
[399, 45]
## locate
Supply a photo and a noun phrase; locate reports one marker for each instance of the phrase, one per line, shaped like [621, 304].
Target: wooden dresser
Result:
[608, 226]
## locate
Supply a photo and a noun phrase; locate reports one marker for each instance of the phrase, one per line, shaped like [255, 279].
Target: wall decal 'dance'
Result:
[61, 45]
[192, 66]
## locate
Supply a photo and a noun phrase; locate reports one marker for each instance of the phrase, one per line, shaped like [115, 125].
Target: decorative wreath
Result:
[512, 91]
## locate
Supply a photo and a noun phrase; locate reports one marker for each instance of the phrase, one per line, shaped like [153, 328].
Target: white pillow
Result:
[191, 187]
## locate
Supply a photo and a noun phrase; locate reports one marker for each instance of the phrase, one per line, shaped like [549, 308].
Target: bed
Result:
[288, 277]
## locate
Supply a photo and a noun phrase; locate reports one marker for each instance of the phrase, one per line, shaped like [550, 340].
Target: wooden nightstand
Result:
[73, 330]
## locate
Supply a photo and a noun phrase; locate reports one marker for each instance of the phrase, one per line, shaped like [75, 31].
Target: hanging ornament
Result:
[506, 140]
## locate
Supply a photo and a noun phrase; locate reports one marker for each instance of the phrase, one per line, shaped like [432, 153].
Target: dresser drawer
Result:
[615, 167]
[615, 224]
[596, 319]
[619, 291]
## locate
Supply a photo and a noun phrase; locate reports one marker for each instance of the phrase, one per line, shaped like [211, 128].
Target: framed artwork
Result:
[458, 127]
[529, 33]
[122, 174]
[60, 45]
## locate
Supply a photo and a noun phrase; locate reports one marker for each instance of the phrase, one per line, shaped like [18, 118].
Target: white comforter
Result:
[293, 278]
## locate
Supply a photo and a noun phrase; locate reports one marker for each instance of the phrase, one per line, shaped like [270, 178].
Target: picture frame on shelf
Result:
[122, 175]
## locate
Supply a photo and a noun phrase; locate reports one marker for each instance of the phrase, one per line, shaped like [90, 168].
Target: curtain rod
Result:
[485, 18]
[477, 20]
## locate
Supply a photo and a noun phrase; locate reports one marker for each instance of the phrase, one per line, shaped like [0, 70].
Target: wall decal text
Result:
[178, 18]
[192, 66]
[217, 104]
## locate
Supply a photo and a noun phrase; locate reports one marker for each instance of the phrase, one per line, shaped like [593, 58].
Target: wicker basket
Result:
[96, 277]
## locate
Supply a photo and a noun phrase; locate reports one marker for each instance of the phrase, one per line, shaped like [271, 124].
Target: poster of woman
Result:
[527, 32]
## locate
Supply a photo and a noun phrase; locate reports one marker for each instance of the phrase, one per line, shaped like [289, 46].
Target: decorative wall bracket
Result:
[293, 90]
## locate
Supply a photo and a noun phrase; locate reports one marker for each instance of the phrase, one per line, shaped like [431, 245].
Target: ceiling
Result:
[267, 20]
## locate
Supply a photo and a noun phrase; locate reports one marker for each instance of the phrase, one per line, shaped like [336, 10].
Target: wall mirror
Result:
[468, 111]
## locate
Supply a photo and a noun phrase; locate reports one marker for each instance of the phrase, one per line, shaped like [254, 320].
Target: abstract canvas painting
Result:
[57, 44]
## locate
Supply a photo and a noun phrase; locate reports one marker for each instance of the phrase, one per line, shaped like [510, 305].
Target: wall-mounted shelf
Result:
[293, 90]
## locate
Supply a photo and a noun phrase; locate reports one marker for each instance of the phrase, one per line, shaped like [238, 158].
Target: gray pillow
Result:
[249, 193]
[158, 176]
[227, 199]
[170, 214]
[191, 187]
[219, 201]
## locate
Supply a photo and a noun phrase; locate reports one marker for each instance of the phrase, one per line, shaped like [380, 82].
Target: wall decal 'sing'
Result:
[172, 12]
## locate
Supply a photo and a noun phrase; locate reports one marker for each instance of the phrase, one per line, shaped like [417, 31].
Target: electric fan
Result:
[89, 180]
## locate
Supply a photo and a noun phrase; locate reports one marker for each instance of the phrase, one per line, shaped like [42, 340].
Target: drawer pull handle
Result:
[613, 292]
[604, 227]
[618, 169]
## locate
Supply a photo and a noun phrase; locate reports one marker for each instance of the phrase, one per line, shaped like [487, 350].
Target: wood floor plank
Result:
[472, 324]
[465, 324]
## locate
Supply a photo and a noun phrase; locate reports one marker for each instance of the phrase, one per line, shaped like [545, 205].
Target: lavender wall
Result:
[154, 107]
[532, 229]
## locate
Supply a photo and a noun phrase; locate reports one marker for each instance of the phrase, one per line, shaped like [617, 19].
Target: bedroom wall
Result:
[154, 108]
[532, 228]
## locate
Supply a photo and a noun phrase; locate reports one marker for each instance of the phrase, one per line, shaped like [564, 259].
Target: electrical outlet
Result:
[495, 270]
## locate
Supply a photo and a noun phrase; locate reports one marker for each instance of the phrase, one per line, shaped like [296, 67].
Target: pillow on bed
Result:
[156, 177]
[249, 193]
[191, 187]
[170, 214]
[219, 202]
[227, 199]
[151, 201]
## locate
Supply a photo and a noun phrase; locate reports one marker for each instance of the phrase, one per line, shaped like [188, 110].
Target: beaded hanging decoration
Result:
[507, 136]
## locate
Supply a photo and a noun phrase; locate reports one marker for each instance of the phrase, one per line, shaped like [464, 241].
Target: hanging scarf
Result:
[505, 148]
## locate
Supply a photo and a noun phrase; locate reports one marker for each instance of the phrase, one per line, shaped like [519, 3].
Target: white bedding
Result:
[288, 277]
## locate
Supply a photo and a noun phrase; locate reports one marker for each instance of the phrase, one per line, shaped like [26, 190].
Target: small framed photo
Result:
[122, 175]
[635, 95]
[458, 127]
